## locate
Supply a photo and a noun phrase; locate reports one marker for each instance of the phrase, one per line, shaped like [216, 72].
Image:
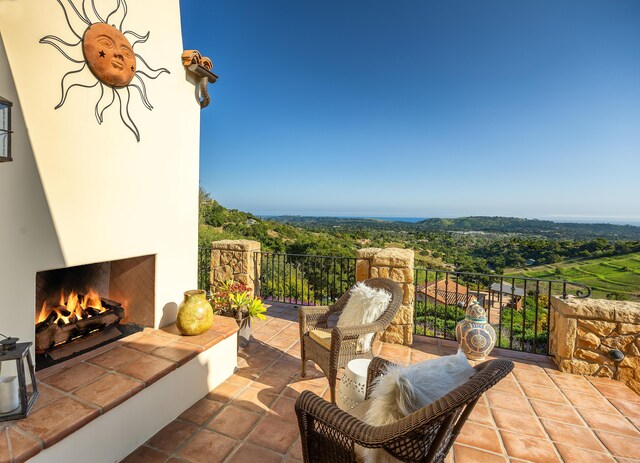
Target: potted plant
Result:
[234, 299]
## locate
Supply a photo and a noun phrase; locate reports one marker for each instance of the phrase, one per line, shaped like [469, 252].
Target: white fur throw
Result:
[404, 390]
[365, 305]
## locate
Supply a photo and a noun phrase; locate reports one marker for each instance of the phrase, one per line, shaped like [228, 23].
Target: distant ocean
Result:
[614, 221]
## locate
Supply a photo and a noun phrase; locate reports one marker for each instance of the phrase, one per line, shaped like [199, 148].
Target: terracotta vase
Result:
[475, 336]
[195, 314]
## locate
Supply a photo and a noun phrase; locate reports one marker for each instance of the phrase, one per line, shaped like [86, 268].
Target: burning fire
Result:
[72, 308]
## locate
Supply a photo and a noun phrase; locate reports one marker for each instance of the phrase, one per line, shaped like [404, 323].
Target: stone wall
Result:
[397, 265]
[234, 260]
[583, 332]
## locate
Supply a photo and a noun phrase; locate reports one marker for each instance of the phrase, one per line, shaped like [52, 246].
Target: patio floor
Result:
[536, 414]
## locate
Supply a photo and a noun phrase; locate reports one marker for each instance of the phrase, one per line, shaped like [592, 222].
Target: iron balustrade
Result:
[303, 279]
[517, 307]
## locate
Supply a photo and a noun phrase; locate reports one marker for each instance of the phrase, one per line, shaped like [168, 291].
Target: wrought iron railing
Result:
[303, 279]
[204, 267]
[517, 307]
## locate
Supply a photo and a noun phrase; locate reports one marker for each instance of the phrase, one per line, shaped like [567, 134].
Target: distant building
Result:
[447, 292]
[251, 221]
[529, 262]
[506, 294]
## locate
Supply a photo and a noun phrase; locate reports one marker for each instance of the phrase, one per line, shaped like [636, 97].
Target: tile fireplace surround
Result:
[117, 396]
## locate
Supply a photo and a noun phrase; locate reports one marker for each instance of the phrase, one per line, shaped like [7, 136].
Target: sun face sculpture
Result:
[107, 58]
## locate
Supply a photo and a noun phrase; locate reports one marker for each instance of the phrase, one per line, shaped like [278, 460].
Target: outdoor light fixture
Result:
[15, 400]
[5, 130]
[201, 66]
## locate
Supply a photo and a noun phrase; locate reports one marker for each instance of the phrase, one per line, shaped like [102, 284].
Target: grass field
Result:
[605, 275]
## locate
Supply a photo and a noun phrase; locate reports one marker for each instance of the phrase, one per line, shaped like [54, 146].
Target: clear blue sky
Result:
[422, 109]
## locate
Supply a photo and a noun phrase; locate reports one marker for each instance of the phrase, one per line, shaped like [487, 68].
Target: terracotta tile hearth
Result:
[76, 392]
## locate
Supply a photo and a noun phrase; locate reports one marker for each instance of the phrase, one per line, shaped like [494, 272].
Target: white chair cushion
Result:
[404, 390]
[365, 305]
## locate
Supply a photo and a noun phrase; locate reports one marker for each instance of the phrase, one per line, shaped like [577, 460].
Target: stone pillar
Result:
[583, 332]
[397, 265]
[235, 260]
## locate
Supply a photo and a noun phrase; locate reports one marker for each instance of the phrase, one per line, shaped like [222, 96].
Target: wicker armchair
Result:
[329, 434]
[343, 347]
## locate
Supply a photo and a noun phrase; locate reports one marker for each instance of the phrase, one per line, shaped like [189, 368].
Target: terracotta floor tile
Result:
[590, 401]
[552, 411]
[239, 380]
[517, 422]
[606, 422]
[145, 454]
[172, 436]
[57, 420]
[481, 414]
[274, 434]
[617, 390]
[109, 390]
[248, 453]
[576, 455]
[465, 454]
[147, 368]
[207, 447]
[576, 436]
[508, 387]
[529, 448]
[179, 352]
[114, 358]
[23, 446]
[533, 377]
[72, 378]
[201, 411]
[548, 394]
[296, 450]
[255, 400]
[508, 402]
[272, 381]
[619, 445]
[628, 409]
[234, 422]
[293, 390]
[287, 368]
[283, 408]
[148, 342]
[573, 383]
[225, 392]
[481, 437]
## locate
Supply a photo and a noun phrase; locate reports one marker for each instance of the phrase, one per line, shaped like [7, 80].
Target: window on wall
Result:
[5, 130]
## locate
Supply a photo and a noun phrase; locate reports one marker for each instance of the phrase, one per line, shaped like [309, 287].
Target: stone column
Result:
[583, 332]
[397, 265]
[235, 260]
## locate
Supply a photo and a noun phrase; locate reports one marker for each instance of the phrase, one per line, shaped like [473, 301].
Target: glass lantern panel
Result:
[4, 117]
[5, 114]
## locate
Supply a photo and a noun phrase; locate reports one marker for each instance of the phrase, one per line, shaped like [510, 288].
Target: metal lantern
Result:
[10, 387]
[5, 130]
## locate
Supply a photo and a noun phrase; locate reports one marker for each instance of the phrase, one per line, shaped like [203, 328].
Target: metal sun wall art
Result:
[103, 47]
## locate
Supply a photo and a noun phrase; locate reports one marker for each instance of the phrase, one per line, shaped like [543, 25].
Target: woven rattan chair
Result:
[329, 434]
[341, 343]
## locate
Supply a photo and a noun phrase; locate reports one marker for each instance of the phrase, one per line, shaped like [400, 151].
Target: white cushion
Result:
[404, 390]
[365, 305]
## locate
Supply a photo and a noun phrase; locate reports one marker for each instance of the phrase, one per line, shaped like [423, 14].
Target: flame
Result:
[71, 307]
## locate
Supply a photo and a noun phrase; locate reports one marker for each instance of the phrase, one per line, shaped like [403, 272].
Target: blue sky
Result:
[422, 109]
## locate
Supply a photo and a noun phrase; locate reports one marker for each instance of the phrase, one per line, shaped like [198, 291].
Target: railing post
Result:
[234, 260]
[397, 265]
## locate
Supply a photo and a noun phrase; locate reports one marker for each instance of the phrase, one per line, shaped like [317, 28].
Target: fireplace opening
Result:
[81, 308]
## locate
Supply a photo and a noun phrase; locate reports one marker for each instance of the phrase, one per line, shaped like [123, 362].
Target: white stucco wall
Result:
[79, 192]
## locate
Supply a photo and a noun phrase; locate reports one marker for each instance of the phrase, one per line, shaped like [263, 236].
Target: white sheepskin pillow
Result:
[404, 390]
[365, 305]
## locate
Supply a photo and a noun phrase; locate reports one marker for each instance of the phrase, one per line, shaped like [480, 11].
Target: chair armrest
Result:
[377, 368]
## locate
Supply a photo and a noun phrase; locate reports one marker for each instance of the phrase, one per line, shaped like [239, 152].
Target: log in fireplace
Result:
[84, 307]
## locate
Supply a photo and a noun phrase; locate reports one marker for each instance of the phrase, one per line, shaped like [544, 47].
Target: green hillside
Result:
[616, 277]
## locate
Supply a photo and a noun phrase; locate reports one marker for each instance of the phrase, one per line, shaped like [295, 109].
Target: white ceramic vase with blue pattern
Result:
[475, 336]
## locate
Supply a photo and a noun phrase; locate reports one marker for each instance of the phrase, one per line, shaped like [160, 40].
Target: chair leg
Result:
[303, 369]
[332, 386]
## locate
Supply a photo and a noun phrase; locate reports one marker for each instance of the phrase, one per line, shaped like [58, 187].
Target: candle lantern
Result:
[15, 400]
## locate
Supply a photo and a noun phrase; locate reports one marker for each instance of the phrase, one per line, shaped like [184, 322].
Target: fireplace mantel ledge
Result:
[75, 393]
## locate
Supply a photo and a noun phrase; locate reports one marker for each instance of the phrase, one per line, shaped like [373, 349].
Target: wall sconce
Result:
[201, 66]
[15, 400]
[5, 130]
